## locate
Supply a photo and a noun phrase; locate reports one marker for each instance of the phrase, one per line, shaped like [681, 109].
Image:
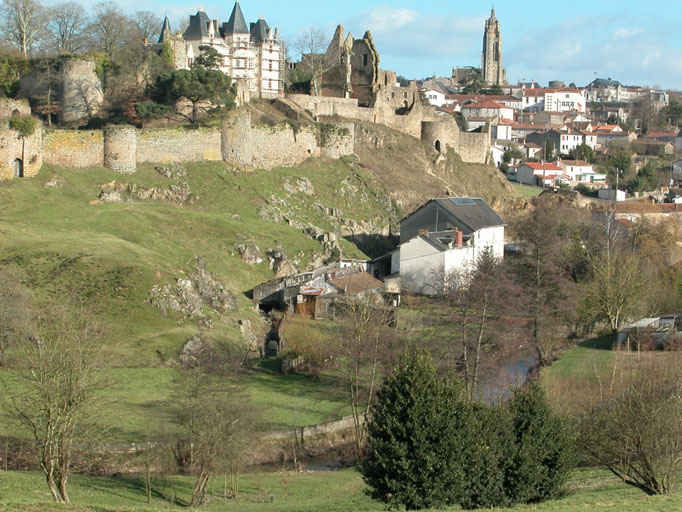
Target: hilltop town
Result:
[241, 272]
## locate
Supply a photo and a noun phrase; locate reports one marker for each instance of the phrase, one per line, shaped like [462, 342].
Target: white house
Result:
[566, 99]
[538, 174]
[442, 241]
[497, 152]
[488, 109]
[581, 172]
[502, 129]
[435, 97]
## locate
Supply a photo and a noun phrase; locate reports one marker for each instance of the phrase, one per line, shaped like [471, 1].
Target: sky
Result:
[634, 42]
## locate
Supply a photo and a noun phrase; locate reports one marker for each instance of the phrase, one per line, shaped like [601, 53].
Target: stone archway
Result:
[18, 168]
[437, 146]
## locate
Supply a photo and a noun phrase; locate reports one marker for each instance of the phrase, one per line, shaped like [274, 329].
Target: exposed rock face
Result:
[303, 185]
[171, 171]
[190, 351]
[280, 264]
[250, 253]
[178, 193]
[110, 196]
[247, 332]
[192, 293]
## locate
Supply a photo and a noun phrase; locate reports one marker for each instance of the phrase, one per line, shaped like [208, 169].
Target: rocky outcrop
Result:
[114, 192]
[250, 252]
[171, 171]
[190, 294]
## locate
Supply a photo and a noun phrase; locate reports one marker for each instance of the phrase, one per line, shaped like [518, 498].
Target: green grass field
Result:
[287, 491]
[526, 191]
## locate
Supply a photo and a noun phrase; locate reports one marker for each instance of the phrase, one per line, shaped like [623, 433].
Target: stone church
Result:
[491, 63]
[252, 55]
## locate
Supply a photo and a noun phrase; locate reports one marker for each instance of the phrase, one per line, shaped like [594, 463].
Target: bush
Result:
[25, 125]
[544, 452]
[429, 446]
[410, 438]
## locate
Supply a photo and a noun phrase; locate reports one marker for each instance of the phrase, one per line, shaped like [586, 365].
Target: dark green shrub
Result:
[412, 457]
[544, 448]
[25, 125]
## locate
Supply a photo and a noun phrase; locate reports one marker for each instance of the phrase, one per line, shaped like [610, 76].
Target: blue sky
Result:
[632, 41]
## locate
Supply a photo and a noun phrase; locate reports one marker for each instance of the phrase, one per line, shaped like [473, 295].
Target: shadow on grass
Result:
[134, 489]
[601, 343]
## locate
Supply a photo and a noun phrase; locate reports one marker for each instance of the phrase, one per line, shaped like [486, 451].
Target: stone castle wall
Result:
[121, 148]
[177, 145]
[13, 147]
[283, 144]
[81, 95]
[74, 148]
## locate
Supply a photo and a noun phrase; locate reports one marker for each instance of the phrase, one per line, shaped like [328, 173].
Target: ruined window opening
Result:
[437, 145]
[365, 59]
[18, 168]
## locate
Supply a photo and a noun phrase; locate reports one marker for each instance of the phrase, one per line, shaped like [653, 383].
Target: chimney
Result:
[276, 34]
[459, 237]
[423, 231]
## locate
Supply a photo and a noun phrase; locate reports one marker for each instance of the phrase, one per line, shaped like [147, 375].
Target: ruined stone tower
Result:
[491, 65]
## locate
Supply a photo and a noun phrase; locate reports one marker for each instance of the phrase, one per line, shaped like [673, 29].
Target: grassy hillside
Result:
[305, 491]
[69, 244]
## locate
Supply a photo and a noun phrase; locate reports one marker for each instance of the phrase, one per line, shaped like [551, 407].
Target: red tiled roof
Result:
[486, 104]
[543, 167]
[576, 163]
[654, 135]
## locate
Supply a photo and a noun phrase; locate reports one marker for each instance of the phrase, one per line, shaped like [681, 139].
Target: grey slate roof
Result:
[236, 24]
[198, 26]
[472, 213]
[259, 30]
[165, 28]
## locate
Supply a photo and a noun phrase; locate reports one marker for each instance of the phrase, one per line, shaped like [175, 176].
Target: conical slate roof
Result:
[259, 30]
[165, 30]
[198, 26]
[236, 24]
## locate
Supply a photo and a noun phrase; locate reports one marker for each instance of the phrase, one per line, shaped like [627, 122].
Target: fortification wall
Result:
[177, 145]
[27, 150]
[474, 147]
[74, 148]
[81, 90]
[282, 144]
[120, 148]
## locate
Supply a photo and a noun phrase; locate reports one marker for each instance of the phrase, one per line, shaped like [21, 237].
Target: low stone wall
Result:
[74, 148]
[178, 145]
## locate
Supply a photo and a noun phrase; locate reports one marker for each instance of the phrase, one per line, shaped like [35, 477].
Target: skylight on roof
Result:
[463, 201]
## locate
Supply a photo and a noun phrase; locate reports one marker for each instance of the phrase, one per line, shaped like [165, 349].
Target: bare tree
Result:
[544, 274]
[68, 24]
[363, 345]
[148, 26]
[111, 28]
[14, 311]
[637, 432]
[54, 387]
[483, 295]
[217, 425]
[23, 22]
[311, 46]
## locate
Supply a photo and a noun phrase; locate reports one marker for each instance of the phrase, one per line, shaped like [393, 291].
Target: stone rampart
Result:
[74, 148]
[22, 155]
[120, 148]
[178, 145]
[474, 147]
[265, 146]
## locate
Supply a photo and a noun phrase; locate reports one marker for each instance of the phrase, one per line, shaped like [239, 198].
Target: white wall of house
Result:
[502, 131]
[570, 141]
[434, 97]
[565, 101]
[422, 267]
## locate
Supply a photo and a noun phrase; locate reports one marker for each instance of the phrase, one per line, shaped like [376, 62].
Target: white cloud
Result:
[574, 51]
[406, 33]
